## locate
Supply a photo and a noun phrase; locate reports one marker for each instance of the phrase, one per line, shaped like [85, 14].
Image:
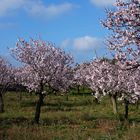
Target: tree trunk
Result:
[126, 103]
[96, 100]
[78, 88]
[67, 97]
[114, 103]
[19, 96]
[38, 108]
[1, 103]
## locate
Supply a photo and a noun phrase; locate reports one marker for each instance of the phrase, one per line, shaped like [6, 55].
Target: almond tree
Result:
[124, 22]
[102, 77]
[79, 75]
[129, 85]
[5, 80]
[106, 78]
[43, 65]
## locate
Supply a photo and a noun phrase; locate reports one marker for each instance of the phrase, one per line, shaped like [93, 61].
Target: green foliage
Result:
[78, 118]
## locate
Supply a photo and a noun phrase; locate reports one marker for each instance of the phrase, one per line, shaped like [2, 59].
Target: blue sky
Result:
[72, 25]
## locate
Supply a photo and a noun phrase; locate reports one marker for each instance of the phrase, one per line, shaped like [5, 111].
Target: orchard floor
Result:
[78, 118]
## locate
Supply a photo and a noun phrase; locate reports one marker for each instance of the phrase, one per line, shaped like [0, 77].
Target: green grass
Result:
[78, 118]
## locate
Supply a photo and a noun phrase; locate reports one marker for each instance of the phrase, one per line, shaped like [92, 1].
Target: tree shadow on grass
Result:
[7, 122]
[60, 121]
[60, 108]
[69, 104]
[30, 104]
[136, 120]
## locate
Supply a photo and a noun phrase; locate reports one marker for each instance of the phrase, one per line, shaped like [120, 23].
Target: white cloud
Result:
[34, 7]
[84, 48]
[41, 10]
[102, 2]
[6, 6]
[85, 43]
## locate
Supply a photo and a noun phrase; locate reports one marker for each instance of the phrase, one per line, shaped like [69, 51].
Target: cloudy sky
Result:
[72, 25]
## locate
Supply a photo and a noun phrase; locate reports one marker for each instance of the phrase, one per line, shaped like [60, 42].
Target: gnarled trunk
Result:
[38, 108]
[126, 104]
[1, 103]
[96, 100]
[114, 103]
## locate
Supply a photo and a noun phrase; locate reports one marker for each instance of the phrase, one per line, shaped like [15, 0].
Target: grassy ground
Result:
[78, 118]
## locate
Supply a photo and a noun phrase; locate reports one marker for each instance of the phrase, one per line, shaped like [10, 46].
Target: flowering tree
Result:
[129, 85]
[79, 75]
[124, 23]
[44, 65]
[5, 79]
[105, 77]
[101, 76]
